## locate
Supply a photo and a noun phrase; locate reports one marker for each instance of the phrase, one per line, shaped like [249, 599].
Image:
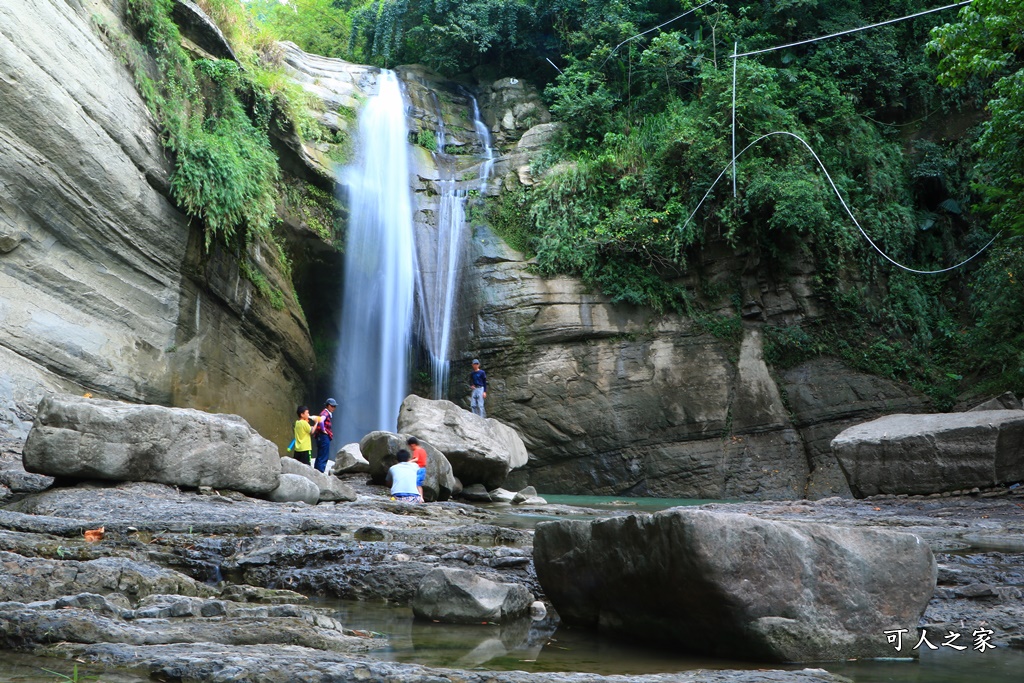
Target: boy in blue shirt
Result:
[478, 383]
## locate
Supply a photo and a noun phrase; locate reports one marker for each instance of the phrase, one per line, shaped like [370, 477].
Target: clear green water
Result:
[493, 647]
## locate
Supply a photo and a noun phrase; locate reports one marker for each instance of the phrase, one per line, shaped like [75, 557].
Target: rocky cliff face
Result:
[612, 399]
[104, 286]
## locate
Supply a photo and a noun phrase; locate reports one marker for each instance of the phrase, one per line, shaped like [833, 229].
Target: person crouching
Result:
[402, 478]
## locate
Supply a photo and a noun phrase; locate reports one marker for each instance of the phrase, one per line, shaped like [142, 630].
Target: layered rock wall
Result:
[104, 285]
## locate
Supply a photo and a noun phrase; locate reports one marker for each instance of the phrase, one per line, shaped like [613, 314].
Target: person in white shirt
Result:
[402, 478]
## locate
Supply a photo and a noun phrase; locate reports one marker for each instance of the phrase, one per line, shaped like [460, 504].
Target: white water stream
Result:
[440, 266]
[377, 306]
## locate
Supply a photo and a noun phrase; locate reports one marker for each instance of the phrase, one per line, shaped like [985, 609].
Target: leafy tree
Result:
[987, 40]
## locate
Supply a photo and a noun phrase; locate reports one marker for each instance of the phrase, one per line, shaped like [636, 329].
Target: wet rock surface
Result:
[236, 573]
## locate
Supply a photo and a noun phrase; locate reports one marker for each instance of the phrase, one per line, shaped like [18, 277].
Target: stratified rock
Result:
[825, 398]
[350, 460]
[331, 488]
[459, 596]
[28, 579]
[84, 438]
[735, 586]
[1004, 401]
[106, 285]
[295, 488]
[380, 449]
[35, 624]
[922, 454]
[481, 450]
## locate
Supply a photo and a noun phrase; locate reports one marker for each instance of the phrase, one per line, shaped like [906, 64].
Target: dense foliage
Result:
[215, 117]
[648, 130]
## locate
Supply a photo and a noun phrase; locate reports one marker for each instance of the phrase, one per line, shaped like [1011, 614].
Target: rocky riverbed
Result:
[207, 585]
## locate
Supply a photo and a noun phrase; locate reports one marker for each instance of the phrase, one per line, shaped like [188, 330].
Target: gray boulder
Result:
[87, 438]
[923, 454]
[500, 495]
[1004, 401]
[295, 488]
[330, 487]
[458, 596]
[349, 460]
[731, 585]
[528, 496]
[477, 492]
[481, 450]
[380, 449]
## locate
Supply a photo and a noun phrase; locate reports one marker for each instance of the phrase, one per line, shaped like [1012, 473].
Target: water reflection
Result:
[21, 668]
[545, 646]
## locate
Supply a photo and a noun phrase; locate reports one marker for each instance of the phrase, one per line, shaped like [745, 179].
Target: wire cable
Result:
[655, 28]
[841, 201]
[849, 31]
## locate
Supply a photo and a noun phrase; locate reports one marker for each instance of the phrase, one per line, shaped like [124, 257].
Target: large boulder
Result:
[380, 449]
[330, 487]
[295, 488]
[731, 585]
[87, 438]
[349, 460]
[481, 450]
[459, 596]
[922, 454]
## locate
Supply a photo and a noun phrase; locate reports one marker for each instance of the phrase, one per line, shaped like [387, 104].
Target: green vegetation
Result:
[427, 140]
[216, 117]
[919, 123]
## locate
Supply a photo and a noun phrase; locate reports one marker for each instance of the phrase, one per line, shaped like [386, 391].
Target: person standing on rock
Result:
[402, 478]
[303, 435]
[324, 434]
[419, 455]
[478, 384]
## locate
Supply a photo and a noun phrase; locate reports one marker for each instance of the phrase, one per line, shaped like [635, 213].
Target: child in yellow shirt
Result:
[303, 443]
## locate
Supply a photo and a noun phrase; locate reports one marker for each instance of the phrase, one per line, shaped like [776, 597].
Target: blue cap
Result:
[331, 402]
[476, 361]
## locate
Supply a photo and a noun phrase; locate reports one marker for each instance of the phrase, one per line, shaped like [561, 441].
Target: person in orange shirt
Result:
[419, 454]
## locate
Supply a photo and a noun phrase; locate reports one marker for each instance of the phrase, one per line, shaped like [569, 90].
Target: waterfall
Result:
[485, 141]
[377, 304]
[440, 266]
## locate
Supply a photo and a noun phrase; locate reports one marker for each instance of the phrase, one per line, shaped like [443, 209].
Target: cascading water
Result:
[439, 281]
[378, 291]
[484, 135]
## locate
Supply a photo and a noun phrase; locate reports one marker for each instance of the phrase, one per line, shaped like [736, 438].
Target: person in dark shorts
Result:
[303, 435]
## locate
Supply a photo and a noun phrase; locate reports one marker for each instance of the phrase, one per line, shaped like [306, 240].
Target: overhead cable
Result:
[849, 31]
[655, 28]
[841, 201]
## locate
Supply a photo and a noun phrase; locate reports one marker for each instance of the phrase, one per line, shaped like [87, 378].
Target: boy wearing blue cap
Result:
[324, 434]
